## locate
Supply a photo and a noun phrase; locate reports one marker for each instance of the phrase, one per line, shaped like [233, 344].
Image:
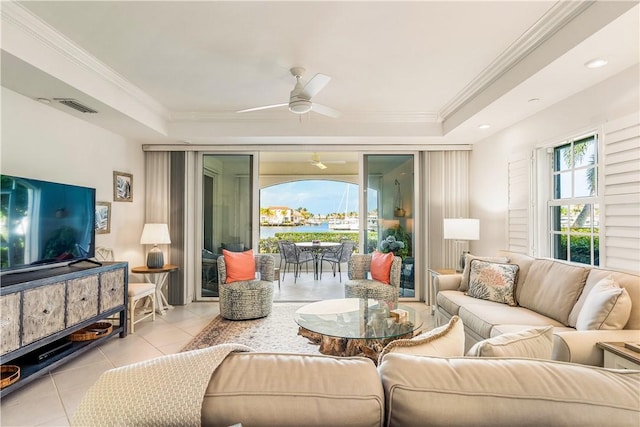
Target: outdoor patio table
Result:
[317, 249]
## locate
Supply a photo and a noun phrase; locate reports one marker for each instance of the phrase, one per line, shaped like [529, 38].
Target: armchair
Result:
[247, 299]
[360, 285]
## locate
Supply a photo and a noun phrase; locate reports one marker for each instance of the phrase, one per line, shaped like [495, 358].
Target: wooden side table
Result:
[159, 277]
[431, 291]
[617, 356]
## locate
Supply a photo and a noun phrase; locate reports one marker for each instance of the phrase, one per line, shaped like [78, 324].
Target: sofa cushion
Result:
[473, 391]
[523, 262]
[534, 343]
[240, 266]
[508, 329]
[464, 283]
[451, 301]
[381, 266]
[277, 389]
[607, 306]
[631, 282]
[444, 341]
[492, 281]
[481, 318]
[552, 288]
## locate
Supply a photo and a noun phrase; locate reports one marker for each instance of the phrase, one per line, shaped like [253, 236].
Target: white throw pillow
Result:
[608, 306]
[443, 341]
[534, 343]
[464, 283]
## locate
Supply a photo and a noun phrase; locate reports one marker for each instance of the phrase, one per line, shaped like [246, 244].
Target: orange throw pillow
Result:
[381, 266]
[240, 265]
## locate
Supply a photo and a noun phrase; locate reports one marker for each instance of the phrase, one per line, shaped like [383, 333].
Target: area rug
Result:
[277, 332]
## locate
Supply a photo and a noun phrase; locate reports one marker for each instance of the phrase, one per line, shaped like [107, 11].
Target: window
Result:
[574, 208]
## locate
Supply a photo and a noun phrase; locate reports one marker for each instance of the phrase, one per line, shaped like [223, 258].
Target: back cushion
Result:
[552, 288]
[630, 282]
[524, 263]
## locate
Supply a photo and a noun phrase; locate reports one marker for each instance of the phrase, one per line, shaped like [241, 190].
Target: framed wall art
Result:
[103, 217]
[122, 187]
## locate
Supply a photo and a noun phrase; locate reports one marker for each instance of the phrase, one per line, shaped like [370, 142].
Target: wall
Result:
[588, 110]
[43, 143]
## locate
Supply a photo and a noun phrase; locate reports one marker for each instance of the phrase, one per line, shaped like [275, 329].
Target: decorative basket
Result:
[92, 332]
[9, 375]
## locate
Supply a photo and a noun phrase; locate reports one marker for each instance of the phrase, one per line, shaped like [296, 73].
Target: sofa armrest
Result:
[580, 346]
[447, 282]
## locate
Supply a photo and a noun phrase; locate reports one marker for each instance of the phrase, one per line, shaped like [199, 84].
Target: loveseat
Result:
[278, 389]
[547, 292]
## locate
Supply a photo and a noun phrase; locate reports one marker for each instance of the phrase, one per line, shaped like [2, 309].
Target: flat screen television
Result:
[44, 224]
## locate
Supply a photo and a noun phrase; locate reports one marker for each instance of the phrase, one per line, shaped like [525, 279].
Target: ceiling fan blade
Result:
[315, 85]
[263, 108]
[325, 111]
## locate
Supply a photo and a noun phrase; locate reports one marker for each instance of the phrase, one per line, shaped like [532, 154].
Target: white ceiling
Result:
[402, 72]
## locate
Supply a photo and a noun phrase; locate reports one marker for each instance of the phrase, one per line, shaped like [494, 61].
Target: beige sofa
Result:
[547, 292]
[277, 389]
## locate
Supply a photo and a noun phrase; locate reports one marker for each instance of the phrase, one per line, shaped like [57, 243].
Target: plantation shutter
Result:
[518, 208]
[622, 194]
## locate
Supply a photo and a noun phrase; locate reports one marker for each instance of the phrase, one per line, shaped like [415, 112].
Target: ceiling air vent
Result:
[75, 104]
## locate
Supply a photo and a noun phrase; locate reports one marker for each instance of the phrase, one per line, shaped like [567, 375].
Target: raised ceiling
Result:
[418, 72]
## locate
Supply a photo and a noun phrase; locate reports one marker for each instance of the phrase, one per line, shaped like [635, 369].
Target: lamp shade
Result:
[462, 228]
[155, 234]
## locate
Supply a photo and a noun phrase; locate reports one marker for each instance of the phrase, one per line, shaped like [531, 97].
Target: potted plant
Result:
[396, 240]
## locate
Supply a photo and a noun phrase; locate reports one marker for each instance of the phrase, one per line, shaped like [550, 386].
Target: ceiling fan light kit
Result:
[300, 97]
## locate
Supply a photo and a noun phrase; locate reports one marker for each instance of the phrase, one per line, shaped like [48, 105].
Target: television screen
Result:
[44, 223]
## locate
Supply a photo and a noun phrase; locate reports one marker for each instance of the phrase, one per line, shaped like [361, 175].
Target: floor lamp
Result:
[461, 230]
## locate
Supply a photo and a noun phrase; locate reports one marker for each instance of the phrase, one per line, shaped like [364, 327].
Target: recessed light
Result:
[596, 63]
[484, 126]
[534, 100]
[44, 100]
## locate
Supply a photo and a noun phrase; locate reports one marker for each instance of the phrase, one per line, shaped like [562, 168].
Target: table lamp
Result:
[461, 230]
[155, 234]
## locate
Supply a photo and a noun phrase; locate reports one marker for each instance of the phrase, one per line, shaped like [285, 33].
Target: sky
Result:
[318, 196]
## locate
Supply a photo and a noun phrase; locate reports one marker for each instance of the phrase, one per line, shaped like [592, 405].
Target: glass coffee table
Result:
[355, 326]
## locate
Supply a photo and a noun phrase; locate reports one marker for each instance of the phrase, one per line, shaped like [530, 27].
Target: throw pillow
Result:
[464, 283]
[240, 266]
[608, 306]
[444, 341]
[381, 266]
[534, 343]
[493, 281]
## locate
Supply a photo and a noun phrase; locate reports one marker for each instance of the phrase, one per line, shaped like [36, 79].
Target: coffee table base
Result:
[344, 347]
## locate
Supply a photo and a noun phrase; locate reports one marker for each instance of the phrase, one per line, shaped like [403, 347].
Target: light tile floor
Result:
[52, 399]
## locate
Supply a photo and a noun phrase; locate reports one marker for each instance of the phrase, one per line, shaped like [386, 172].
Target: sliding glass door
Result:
[227, 207]
[390, 203]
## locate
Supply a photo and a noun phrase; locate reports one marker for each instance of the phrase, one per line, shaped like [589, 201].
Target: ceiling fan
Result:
[315, 161]
[300, 96]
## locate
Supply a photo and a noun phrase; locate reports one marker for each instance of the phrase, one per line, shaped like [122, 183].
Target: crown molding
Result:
[274, 116]
[556, 17]
[19, 16]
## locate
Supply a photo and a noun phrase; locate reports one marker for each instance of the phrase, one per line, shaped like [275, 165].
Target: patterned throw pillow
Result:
[492, 281]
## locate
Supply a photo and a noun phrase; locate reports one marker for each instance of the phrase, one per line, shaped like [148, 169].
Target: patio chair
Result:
[336, 257]
[295, 256]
